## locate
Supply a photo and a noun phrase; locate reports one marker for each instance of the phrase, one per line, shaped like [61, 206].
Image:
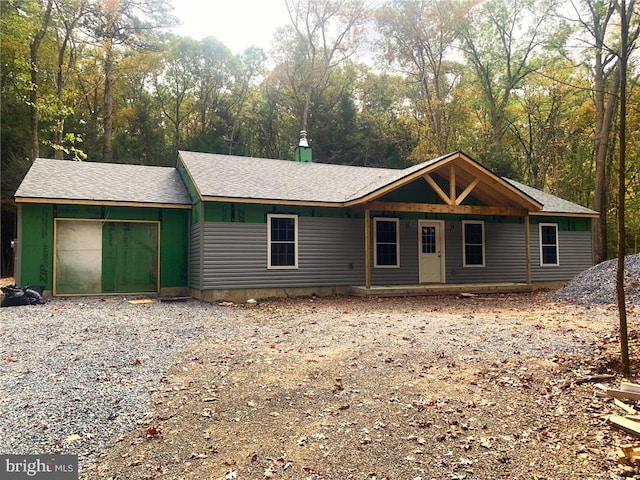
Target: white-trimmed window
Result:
[473, 243]
[386, 237]
[282, 241]
[549, 250]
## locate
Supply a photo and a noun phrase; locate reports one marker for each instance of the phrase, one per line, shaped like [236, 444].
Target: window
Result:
[282, 241]
[549, 244]
[473, 243]
[387, 244]
[429, 241]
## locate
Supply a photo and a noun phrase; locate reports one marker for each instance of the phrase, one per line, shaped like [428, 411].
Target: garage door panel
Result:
[130, 257]
[106, 257]
[78, 257]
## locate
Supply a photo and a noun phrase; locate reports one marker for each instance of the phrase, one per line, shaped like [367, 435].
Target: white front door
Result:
[431, 251]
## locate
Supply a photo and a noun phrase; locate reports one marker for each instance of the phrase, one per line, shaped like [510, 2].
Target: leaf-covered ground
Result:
[398, 388]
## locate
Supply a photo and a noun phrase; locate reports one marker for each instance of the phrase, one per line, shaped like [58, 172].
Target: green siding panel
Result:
[565, 224]
[421, 192]
[131, 213]
[174, 248]
[37, 249]
[78, 211]
[217, 212]
[37, 245]
[257, 213]
[129, 257]
[196, 213]
[191, 188]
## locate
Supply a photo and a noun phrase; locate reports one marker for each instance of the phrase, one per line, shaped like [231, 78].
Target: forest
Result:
[540, 91]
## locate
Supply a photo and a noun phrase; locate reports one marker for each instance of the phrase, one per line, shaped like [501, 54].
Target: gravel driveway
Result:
[77, 373]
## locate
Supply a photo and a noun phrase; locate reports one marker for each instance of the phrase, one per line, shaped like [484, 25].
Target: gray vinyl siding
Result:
[407, 273]
[195, 257]
[575, 255]
[330, 253]
[505, 255]
[227, 255]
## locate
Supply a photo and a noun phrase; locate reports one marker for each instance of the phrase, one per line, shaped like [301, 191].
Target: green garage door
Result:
[106, 257]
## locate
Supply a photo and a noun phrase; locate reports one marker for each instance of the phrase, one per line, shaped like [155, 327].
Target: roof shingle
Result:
[103, 182]
[226, 176]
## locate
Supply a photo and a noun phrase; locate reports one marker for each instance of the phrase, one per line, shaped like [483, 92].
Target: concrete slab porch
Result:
[440, 289]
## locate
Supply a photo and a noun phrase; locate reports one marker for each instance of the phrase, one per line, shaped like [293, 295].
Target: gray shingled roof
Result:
[231, 177]
[551, 203]
[261, 178]
[283, 180]
[103, 182]
[265, 179]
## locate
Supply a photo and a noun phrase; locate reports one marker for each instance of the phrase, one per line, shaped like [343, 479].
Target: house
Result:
[221, 226]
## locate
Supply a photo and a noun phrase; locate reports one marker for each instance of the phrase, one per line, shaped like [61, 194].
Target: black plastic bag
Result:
[17, 296]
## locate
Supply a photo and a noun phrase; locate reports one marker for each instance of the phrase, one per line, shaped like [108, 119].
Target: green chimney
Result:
[303, 150]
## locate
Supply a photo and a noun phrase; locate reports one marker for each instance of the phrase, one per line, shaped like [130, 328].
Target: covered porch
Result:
[452, 186]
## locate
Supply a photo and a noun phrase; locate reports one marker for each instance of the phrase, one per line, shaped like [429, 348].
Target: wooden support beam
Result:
[452, 183]
[437, 208]
[438, 190]
[527, 252]
[367, 248]
[460, 198]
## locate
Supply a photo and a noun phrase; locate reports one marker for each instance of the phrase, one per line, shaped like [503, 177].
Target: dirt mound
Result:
[597, 285]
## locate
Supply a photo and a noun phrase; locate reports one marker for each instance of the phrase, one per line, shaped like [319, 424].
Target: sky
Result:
[238, 24]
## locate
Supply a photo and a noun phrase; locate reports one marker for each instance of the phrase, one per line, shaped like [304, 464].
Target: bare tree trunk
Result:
[605, 103]
[626, 40]
[65, 46]
[605, 106]
[107, 153]
[34, 46]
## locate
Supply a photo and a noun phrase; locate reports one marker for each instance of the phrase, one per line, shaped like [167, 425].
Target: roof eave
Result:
[273, 201]
[567, 214]
[186, 168]
[105, 203]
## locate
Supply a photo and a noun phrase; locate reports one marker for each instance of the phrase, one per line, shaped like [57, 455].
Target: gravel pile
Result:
[76, 374]
[597, 285]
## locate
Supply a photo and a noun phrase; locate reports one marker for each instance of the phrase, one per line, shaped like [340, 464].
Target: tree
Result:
[386, 128]
[141, 137]
[34, 46]
[119, 26]
[606, 83]
[325, 34]
[628, 36]
[175, 85]
[543, 124]
[251, 64]
[501, 40]
[68, 15]
[419, 37]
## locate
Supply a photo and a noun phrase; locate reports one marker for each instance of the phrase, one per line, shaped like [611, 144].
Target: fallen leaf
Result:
[72, 438]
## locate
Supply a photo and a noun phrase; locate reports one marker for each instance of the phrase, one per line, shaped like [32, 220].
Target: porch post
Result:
[527, 241]
[367, 248]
